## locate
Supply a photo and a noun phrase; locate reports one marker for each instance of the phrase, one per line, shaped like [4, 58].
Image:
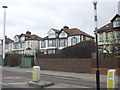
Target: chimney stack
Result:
[28, 32]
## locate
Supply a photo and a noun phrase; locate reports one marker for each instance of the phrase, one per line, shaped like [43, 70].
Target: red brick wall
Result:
[82, 65]
[106, 64]
[104, 70]
[66, 64]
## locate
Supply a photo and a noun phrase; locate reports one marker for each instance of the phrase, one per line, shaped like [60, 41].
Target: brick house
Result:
[59, 39]
[109, 37]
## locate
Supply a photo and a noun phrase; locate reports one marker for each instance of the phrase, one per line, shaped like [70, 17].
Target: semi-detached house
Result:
[109, 37]
[26, 43]
[59, 39]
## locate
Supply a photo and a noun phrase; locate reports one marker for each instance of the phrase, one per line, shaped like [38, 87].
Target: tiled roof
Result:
[109, 25]
[45, 38]
[8, 40]
[34, 37]
[56, 30]
[106, 27]
[75, 31]
[30, 36]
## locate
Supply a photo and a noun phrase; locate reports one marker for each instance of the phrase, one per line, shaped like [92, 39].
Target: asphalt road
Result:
[11, 79]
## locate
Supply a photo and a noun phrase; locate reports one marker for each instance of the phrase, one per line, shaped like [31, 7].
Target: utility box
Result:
[26, 62]
[36, 73]
[111, 78]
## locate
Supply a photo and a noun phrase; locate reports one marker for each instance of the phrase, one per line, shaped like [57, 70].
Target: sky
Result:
[39, 16]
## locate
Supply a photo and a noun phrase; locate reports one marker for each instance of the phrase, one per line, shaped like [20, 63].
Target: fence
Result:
[16, 60]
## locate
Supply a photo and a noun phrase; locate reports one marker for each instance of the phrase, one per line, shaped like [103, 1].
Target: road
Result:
[12, 79]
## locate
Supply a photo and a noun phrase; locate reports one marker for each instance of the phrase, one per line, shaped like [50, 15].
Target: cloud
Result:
[40, 15]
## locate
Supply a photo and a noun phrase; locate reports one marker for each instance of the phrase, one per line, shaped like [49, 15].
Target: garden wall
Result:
[80, 65]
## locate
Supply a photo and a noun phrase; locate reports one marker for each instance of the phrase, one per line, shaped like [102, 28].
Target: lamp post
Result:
[97, 58]
[3, 58]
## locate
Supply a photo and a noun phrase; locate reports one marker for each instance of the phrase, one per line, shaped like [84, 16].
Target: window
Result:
[22, 39]
[16, 39]
[16, 46]
[116, 23]
[106, 36]
[21, 45]
[29, 45]
[43, 44]
[118, 35]
[62, 34]
[101, 37]
[73, 41]
[11, 47]
[52, 35]
[51, 43]
[51, 51]
[63, 42]
[22, 52]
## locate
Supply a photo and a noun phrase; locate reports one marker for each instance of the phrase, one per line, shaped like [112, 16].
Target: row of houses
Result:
[55, 40]
[108, 38]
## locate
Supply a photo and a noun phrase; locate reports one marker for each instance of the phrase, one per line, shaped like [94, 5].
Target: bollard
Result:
[111, 78]
[36, 73]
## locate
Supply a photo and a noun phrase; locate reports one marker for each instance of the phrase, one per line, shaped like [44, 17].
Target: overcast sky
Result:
[39, 16]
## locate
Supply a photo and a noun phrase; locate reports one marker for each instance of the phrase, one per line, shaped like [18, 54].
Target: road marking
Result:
[3, 84]
[74, 86]
[11, 77]
[18, 83]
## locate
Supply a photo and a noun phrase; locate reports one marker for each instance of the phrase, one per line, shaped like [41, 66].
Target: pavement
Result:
[82, 76]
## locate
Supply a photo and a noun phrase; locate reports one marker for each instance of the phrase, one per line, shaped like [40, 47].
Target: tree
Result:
[115, 43]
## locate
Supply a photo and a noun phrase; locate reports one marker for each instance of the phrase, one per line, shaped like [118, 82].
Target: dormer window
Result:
[16, 38]
[63, 34]
[51, 35]
[22, 39]
[116, 22]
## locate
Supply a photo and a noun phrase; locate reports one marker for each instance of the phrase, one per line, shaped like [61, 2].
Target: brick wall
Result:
[81, 65]
[106, 64]
[66, 64]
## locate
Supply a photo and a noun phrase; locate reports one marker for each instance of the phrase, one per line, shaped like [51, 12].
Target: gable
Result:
[63, 34]
[51, 31]
[114, 18]
[16, 38]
